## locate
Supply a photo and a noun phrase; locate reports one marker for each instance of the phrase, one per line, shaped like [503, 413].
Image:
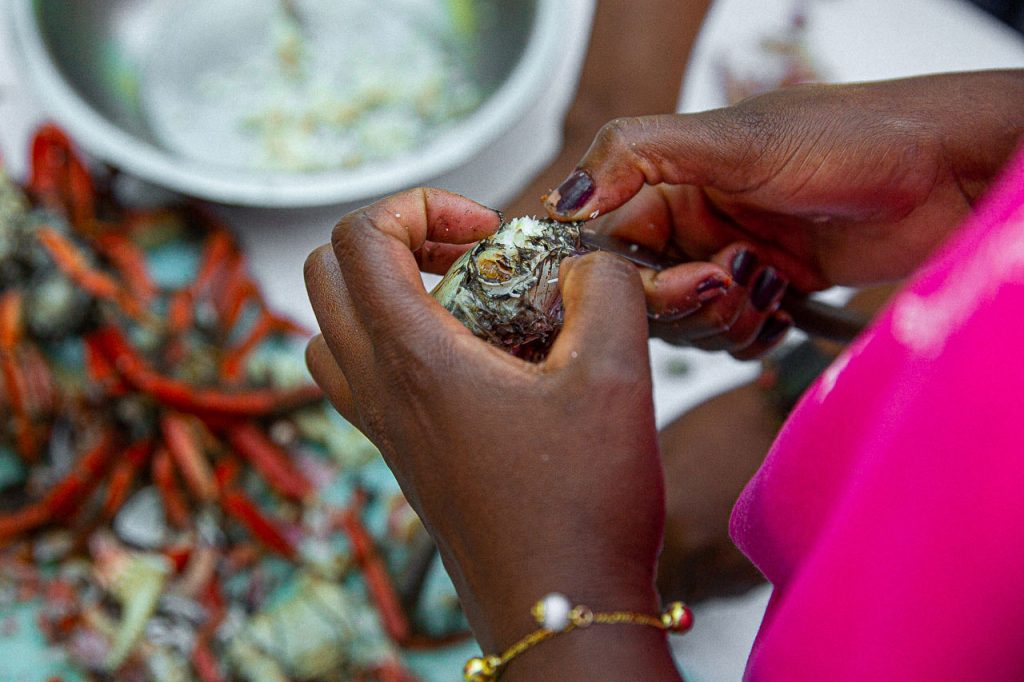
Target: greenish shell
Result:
[505, 289]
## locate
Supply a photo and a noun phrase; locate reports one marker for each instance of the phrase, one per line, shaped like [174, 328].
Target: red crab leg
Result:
[15, 381]
[134, 221]
[232, 364]
[180, 555]
[180, 313]
[62, 500]
[185, 398]
[38, 380]
[204, 661]
[72, 263]
[22, 521]
[100, 370]
[123, 476]
[59, 179]
[11, 329]
[285, 325]
[180, 319]
[242, 509]
[198, 571]
[378, 580]
[267, 323]
[217, 254]
[226, 472]
[130, 262]
[238, 290]
[175, 505]
[26, 443]
[250, 442]
[184, 447]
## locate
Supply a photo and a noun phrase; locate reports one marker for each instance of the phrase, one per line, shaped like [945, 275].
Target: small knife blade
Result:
[814, 317]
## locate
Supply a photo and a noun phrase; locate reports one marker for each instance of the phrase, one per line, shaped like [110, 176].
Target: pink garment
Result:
[889, 515]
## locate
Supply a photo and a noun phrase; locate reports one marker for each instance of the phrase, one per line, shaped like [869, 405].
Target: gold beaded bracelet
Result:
[555, 615]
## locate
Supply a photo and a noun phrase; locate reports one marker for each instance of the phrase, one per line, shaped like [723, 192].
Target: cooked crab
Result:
[505, 289]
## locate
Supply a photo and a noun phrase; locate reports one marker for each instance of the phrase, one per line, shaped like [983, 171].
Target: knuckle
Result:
[617, 133]
[347, 231]
[648, 142]
[613, 271]
[724, 313]
[414, 364]
[743, 332]
[313, 267]
[311, 352]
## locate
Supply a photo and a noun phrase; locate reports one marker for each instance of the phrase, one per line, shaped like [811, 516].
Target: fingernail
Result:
[711, 288]
[773, 329]
[743, 264]
[574, 192]
[767, 289]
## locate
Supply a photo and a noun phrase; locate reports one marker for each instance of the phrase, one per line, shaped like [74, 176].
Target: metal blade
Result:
[814, 317]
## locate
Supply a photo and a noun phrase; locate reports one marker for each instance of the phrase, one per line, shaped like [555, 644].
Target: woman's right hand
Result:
[843, 184]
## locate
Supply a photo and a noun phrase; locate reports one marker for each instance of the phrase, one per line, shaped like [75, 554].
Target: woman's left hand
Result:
[531, 478]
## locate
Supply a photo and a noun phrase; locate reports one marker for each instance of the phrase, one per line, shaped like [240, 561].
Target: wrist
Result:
[607, 652]
[504, 614]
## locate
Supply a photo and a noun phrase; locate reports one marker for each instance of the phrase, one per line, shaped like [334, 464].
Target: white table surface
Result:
[851, 40]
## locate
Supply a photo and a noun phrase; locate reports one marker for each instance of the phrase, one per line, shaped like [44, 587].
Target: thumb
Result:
[605, 316]
[706, 149]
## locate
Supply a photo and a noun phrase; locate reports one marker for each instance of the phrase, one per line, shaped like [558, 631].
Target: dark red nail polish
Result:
[711, 288]
[773, 329]
[574, 192]
[767, 289]
[743, 264]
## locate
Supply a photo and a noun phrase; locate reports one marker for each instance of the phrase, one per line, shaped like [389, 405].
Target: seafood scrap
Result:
[306, 635]
[505, 289]
[168, 469]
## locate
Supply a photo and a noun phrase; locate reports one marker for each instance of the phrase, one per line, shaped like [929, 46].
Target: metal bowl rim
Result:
[448, 151]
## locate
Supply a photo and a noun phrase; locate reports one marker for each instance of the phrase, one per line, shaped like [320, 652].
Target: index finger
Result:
[676, 149]
[374, 247]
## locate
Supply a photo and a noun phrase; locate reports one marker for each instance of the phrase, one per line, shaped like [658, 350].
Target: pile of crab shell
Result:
[177, 501]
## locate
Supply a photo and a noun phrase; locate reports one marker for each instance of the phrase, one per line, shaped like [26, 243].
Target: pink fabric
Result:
[889, 515]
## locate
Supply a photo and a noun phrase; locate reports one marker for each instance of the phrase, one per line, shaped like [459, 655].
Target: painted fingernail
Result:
[773, 329]
[574, 192]
[711, 288]
[767, 289]
[743, 264]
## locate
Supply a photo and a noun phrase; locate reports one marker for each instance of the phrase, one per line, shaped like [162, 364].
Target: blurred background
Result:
[282, 115]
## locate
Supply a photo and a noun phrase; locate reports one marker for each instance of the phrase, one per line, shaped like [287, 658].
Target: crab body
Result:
[505, 289]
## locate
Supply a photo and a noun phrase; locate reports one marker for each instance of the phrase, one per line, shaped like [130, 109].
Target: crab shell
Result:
[505, 289]
[319, 631]
[135, 580]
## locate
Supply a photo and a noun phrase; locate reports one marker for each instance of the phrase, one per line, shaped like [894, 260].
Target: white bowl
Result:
[86, 58]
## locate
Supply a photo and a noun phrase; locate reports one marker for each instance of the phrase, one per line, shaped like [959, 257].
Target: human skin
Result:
[621, 76]
[534, 478]
[828, 184]
[528, 488]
